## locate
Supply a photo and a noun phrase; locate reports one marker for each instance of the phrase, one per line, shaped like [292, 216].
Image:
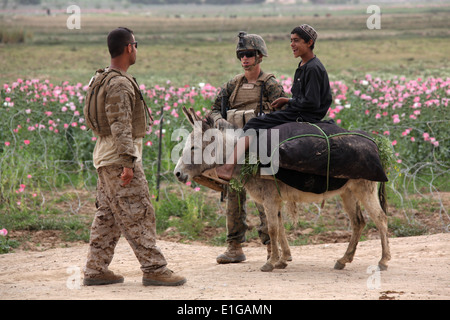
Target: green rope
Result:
[329, 154]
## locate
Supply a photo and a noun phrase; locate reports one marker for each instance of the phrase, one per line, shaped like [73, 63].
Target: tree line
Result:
[196, 1]
[227, 2]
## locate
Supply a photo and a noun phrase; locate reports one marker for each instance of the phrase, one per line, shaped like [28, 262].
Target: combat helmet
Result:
[251, 42]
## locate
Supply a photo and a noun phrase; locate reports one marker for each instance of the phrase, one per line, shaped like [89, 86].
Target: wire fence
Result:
[46, 147]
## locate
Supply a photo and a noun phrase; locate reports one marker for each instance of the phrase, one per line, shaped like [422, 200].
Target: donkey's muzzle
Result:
[181, 177]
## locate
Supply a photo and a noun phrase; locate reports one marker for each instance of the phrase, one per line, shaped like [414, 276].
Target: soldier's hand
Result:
[280, 102]
[222, 123]
[126, 176]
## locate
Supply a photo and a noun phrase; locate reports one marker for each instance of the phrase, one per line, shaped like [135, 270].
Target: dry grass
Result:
[95, 27]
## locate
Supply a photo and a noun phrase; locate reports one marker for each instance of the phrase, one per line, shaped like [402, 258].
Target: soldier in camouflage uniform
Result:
[123, 199]
[248, 94]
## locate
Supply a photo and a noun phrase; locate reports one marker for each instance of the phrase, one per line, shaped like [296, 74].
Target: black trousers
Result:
[273, 119]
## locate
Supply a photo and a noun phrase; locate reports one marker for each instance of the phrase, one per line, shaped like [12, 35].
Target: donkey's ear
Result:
[188, 116]
[195, 115]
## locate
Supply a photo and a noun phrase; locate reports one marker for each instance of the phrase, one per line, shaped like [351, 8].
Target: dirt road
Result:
[419, 269]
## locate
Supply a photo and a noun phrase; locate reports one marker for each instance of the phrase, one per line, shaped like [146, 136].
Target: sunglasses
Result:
[135, 44]
[248, 54]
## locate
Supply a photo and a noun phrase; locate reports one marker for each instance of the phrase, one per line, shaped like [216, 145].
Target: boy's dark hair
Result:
[302, 34]
[118, 39]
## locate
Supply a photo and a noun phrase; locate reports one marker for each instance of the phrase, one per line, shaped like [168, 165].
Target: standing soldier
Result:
[115, 110]
[242, 98]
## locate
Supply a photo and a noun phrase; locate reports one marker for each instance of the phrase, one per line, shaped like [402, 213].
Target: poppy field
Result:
[46, 147]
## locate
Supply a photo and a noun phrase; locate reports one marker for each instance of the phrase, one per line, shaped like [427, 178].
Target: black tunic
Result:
[311, 98]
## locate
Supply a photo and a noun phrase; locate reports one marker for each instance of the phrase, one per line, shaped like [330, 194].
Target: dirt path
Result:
[419, 269]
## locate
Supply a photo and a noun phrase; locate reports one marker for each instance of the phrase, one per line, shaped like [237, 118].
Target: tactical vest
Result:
[246, 99]
[94, 108]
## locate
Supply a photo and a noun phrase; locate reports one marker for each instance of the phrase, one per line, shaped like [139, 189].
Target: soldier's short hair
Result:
[118, 39]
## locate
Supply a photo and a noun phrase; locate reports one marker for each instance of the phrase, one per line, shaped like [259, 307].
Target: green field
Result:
[198, 46]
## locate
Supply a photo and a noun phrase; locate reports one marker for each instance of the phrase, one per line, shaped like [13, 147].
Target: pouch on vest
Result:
[240, 117]
[95, 97]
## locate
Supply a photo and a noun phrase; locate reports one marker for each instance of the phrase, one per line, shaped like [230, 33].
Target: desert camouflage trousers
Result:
[127, 211]
[237, 215]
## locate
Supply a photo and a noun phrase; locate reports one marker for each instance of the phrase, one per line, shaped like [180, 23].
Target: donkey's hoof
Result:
[268, 267]
[383, 267]
[280, 265]
[339, 266]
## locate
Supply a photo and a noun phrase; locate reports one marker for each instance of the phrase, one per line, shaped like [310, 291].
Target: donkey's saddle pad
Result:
[325, 149]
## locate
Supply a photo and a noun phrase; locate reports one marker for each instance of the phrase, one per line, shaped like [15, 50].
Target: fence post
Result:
[158, 174]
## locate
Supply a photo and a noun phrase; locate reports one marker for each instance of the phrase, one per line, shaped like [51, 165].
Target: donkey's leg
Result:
[372, 204]
[272, 208]
[353, 209]
[285, 250]
[292, 212]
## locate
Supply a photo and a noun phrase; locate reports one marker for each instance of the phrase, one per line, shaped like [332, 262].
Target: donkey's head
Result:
[204, 148]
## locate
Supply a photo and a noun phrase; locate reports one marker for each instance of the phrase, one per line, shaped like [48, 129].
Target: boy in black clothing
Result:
[311, 93]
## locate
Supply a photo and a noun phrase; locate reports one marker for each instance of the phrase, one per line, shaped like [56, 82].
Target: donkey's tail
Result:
[383, 197]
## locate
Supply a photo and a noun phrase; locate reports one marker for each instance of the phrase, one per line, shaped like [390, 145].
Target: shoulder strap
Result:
[105, 76]
[265, 76]
[263, 79]
[237, 80]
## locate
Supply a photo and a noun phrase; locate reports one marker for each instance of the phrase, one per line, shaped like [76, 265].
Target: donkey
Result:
[272, 196]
